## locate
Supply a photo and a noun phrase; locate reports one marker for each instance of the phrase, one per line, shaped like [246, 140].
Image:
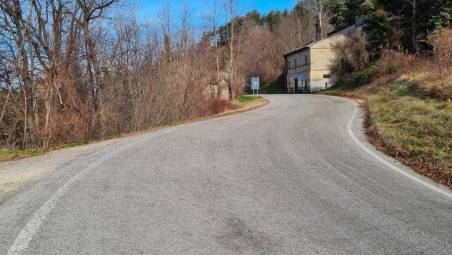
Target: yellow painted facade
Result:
[309, 69]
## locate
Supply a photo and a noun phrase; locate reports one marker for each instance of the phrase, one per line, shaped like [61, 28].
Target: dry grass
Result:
[218, 106]
[429, 83]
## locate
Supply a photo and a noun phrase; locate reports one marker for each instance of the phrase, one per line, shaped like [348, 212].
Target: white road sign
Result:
[254, 83]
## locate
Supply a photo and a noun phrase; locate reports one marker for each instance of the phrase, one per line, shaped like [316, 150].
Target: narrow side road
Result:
[293, 177]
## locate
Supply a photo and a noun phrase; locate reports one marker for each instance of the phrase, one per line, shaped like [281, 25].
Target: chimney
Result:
[318, 36]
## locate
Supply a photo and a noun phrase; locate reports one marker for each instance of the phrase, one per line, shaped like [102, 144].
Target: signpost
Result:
[255, 84]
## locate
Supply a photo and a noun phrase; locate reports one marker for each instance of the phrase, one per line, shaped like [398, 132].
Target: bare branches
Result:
[65, 77]
[321, 10]
[93, 9]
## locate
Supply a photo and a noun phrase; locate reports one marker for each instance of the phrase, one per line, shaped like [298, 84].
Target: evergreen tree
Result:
[418, 18]
[346, 12]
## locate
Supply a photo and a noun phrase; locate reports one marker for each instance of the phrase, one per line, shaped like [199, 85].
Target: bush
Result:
[217, 106]
[358, 78]
[352, 54]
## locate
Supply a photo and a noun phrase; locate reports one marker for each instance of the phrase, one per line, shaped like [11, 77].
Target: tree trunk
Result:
[24, 138]
[10, 88]
[320, 24]
[48, 108]
[231, 61]
[413, 27]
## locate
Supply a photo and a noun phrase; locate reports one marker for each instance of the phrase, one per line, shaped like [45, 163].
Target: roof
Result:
[297, 50]
[348, 31]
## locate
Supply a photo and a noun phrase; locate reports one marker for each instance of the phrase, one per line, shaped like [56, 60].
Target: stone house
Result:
[310, 68]
[218, 91]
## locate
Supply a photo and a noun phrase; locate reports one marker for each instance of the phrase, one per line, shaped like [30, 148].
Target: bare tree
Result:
[165, 23]
[65, 77]
[14, 23]
[215, 40]
[91, 10]
[231, 12]
[320, 9]
[413, 24]
[49, 53]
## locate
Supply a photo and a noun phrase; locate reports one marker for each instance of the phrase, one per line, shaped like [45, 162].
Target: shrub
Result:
[392, 61]
[218, 106]
[358, 78]
[441, 40]
[352, 54]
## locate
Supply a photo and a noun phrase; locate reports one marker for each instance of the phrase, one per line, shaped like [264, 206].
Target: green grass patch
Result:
[247, 98]
[412, 116]
[17, 153]
[419, 126]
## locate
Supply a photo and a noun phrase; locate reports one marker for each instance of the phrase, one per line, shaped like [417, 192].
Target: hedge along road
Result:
[293, 177]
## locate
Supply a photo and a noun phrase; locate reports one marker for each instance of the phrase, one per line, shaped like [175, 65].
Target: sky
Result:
[150, 9]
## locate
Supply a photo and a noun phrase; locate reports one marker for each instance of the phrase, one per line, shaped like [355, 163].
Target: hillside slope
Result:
[409, 111]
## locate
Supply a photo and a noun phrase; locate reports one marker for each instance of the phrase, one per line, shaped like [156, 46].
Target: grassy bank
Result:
[241, 104]
[409, 115]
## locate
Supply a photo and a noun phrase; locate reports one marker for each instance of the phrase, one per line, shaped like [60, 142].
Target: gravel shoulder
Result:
[16, 174]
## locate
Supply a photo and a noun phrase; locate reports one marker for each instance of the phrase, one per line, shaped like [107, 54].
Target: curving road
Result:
[288, 178]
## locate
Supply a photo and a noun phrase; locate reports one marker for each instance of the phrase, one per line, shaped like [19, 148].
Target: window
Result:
[326, 76]
[306, 59]
[295, 61]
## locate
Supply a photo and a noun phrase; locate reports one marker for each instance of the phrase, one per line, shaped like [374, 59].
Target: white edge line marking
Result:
[393, 167]
[31, 228]
[26, 235]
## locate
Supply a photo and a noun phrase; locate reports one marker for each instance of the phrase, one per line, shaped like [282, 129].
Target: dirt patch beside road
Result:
[15, 174]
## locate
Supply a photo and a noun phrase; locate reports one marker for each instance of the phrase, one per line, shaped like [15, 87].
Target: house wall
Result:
[291, 80]
[297, 65]
[324, 58]
[321, 57]
[321, 68]
[319, 81]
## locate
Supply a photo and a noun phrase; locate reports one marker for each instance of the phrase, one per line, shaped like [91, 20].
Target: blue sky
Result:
[149, 9]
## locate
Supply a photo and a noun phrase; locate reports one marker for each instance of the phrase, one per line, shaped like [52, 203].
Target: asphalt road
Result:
[288, 178]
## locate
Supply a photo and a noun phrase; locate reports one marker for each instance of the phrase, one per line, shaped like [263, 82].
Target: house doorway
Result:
[307, 87]
[296, 86]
